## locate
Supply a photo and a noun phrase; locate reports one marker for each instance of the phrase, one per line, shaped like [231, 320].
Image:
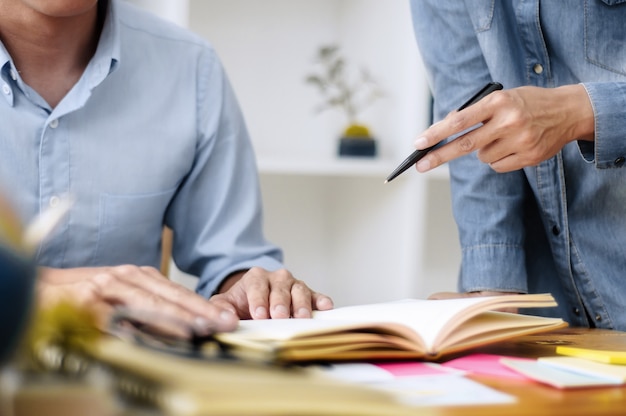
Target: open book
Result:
[425, 329]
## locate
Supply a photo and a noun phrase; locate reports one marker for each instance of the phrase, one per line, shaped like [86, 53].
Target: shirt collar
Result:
[6, 86]
[107, 56]
[4, 56]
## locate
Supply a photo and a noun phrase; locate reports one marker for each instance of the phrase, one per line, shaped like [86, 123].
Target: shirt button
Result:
[538, 68]
[556, 230]
[54, 201]
[576, 311]
[54, 123]
[598, 318]
[619, 161]
[13, 75]
[6, 89]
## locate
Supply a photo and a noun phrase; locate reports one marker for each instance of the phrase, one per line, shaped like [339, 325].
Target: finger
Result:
[447, 295]
[507, 164]
[322, 302]
[499, 157]
[456, 122]
[175, 296]
[248, 297]
[280, 297]
[116, 290]
[456, 295]
[462, 145]
[494, 151]
[222, 301]
[301, 298]
[256, 288]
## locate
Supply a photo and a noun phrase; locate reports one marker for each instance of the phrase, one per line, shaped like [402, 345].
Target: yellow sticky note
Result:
[603, 356]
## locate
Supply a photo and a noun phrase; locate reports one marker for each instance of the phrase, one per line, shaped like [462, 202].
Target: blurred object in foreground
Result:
[26, 394]
[50, 374]
[17, 279]
[18, 270]
[56, 338]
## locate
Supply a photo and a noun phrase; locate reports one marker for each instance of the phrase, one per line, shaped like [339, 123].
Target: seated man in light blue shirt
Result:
[539, 190]
[135, 119]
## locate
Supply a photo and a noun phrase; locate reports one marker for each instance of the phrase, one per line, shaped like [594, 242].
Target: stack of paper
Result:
[581, 368]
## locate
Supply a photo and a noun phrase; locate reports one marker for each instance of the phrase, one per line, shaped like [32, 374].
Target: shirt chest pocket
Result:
[481, 13]
[605, 34]
[130, 228]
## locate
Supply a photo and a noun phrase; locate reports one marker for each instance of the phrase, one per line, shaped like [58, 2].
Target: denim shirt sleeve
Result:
[491, 230]
[609, 148]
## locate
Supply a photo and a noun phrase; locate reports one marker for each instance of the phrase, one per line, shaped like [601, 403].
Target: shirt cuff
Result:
[493, 267]
[609, 148]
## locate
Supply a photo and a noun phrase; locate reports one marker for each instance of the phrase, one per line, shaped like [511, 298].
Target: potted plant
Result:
[350, 95]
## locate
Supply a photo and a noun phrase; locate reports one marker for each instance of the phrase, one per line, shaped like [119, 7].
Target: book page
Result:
[284, 329]
[424, 317]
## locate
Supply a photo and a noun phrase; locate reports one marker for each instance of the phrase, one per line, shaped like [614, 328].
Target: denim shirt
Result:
[151, 134]
[560, 226]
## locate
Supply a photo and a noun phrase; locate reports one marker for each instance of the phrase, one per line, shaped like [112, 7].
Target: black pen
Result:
[418, 154]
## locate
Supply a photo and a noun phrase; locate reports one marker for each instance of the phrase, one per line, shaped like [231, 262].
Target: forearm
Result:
[580, 111]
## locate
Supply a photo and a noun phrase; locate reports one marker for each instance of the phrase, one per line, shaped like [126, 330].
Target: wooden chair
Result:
[166, 250]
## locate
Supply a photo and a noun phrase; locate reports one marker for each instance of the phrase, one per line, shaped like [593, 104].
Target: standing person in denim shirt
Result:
[134, 118]
[539, 190]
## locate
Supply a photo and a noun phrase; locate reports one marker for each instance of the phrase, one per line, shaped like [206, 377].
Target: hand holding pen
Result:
[417, 155]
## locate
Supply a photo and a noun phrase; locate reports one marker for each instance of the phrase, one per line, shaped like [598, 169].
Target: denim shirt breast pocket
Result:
[481, 13]
[605, 34]
[130, 228]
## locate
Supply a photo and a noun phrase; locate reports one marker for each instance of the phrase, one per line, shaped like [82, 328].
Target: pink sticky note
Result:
[410, 368]
[486, 364]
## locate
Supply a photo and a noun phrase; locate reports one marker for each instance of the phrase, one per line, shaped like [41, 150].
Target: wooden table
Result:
[536, 399]
[531, 398]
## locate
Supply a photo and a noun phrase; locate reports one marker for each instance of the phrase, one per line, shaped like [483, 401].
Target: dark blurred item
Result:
[17, 279]
[357, 146]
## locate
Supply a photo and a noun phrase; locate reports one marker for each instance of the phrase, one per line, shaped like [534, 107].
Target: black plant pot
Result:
[357, 146]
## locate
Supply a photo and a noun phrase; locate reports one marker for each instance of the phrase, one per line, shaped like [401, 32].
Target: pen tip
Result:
[386, 181]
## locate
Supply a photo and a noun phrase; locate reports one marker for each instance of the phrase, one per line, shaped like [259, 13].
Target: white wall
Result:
[343, 231]
[268, 48]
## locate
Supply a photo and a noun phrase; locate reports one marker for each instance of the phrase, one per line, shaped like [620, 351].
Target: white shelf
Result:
[348, 167]
[330, 167]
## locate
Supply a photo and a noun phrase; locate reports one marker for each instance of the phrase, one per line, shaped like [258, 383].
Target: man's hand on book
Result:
[455, 295]
[261, 294]
[144, 289]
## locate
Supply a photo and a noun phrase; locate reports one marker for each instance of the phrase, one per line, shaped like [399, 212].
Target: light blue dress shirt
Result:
[558, 227]
[150, 135]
